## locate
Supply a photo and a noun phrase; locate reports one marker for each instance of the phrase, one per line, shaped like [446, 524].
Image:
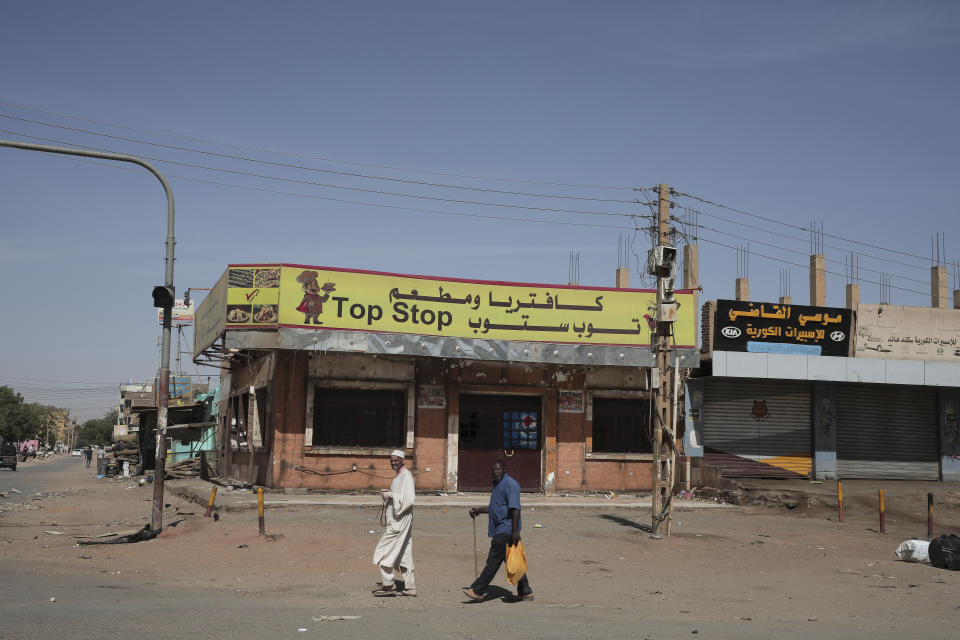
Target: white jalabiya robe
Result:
[395, 548]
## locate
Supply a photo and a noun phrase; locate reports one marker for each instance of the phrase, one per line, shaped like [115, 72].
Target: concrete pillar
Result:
[825, 431]
[691, 278]
[743, 289]
[853, 296]
[818, 280]
[786, 300]
[938, 288]
[623, 278]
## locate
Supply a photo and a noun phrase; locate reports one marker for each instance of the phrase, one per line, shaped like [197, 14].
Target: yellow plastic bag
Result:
[516, 563]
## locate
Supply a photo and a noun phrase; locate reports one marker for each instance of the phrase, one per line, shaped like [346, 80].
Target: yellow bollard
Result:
[839, 500]
[213, 496]
[883, 515]
[263, 531]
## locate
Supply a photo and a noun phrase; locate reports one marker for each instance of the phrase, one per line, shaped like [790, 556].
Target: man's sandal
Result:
[410, 593]
[385, 592]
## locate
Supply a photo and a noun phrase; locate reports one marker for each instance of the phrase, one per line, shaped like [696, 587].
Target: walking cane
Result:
[476, 570]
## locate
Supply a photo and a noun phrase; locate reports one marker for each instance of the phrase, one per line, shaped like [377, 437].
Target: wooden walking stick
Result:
[476, 569]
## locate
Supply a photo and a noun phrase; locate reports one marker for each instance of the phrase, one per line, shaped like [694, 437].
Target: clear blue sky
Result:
[844, 113]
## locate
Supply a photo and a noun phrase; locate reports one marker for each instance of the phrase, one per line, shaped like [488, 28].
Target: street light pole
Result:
[163, 385]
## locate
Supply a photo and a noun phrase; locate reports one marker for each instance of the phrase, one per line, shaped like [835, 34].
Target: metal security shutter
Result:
[887, 431]
[758, 428]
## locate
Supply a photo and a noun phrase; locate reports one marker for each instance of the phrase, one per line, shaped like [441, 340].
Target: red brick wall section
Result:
[571, 469]
[430, 448]
[613, 475]
[288, 409]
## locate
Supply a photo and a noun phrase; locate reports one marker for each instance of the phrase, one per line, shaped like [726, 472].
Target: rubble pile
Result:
[189, 468]
[126, 452]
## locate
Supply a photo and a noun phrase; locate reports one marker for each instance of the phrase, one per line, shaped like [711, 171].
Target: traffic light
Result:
[163, 297]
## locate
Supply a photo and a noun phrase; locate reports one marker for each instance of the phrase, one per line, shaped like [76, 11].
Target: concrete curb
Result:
[230, 500]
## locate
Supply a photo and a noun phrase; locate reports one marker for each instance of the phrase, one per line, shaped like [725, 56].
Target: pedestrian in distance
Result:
[88, 454]
[503, 528]
[100, 460]
[394, 552]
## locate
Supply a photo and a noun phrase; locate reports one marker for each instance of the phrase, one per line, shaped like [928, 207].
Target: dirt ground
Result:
[780, 566]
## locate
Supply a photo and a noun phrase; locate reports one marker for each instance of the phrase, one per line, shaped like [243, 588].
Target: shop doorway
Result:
[507, 428]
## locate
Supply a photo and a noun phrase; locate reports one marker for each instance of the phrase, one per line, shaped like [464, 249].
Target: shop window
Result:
[520, 430]
[248, 420]
[490, 422]
[621, 425]
[369, 418]
[239, 408]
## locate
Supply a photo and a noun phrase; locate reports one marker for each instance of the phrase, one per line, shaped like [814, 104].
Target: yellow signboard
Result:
[269, 296]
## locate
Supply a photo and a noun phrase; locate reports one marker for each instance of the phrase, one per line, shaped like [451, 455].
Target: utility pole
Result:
[662, 264]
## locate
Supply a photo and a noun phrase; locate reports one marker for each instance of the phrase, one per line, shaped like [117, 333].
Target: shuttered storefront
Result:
[887, 431]
[758, 428]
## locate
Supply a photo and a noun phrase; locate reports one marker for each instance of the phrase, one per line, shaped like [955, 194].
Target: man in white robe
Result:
[394, 552]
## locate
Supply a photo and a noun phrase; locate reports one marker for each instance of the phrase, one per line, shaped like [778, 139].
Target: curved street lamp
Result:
[163, 297]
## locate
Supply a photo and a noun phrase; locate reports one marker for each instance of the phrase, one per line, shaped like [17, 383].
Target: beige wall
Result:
[907, 333]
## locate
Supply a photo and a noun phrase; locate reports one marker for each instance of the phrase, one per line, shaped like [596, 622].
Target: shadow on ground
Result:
[626, 523]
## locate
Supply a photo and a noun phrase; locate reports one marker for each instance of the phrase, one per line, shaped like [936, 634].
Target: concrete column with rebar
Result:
[818, 280]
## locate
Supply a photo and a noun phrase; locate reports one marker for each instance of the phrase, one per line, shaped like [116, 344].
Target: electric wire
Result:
[792, 237]
[353, 202]
[799, 228]
[317, 158]
[329, 186]
[781, 248]
[795, 264]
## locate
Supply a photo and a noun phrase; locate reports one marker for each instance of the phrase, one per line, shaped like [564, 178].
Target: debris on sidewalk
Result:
[334, 618]
[189, 468]
[140, 536]
[913, 551]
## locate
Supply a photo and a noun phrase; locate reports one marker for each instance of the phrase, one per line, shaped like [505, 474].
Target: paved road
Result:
[726, 573]
[30, 476]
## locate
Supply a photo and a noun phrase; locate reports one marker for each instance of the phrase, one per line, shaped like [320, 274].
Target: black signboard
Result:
[766, 327]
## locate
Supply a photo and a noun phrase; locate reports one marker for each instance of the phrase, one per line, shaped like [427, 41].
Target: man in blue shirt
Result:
[503, 529]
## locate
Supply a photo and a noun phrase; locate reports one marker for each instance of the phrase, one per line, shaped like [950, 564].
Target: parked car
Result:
[77, 453]
[8, 456]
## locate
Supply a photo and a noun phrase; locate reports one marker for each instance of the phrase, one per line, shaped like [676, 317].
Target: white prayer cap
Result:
[398, 453]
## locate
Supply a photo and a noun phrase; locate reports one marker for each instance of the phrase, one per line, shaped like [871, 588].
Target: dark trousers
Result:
[496, 557]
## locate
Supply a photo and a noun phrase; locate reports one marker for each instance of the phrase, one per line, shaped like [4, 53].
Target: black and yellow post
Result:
[263, 530]
[883, 514]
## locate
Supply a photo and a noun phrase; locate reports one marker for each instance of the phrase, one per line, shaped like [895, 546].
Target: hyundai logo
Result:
[838, 336]
[730, 332]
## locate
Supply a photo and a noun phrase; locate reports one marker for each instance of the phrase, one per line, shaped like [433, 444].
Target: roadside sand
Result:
[758, 570]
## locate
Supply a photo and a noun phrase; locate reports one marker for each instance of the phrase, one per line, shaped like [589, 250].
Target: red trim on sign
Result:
[464, 280]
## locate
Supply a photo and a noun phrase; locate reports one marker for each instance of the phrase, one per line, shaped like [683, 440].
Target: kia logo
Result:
[838, 336]
[730, 332]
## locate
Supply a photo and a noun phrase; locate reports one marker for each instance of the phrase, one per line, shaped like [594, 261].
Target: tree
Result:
[97, 431]
[13, 418]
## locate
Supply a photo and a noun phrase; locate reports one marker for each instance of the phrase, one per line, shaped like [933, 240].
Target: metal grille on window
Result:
[358, 418]
[621, 426]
